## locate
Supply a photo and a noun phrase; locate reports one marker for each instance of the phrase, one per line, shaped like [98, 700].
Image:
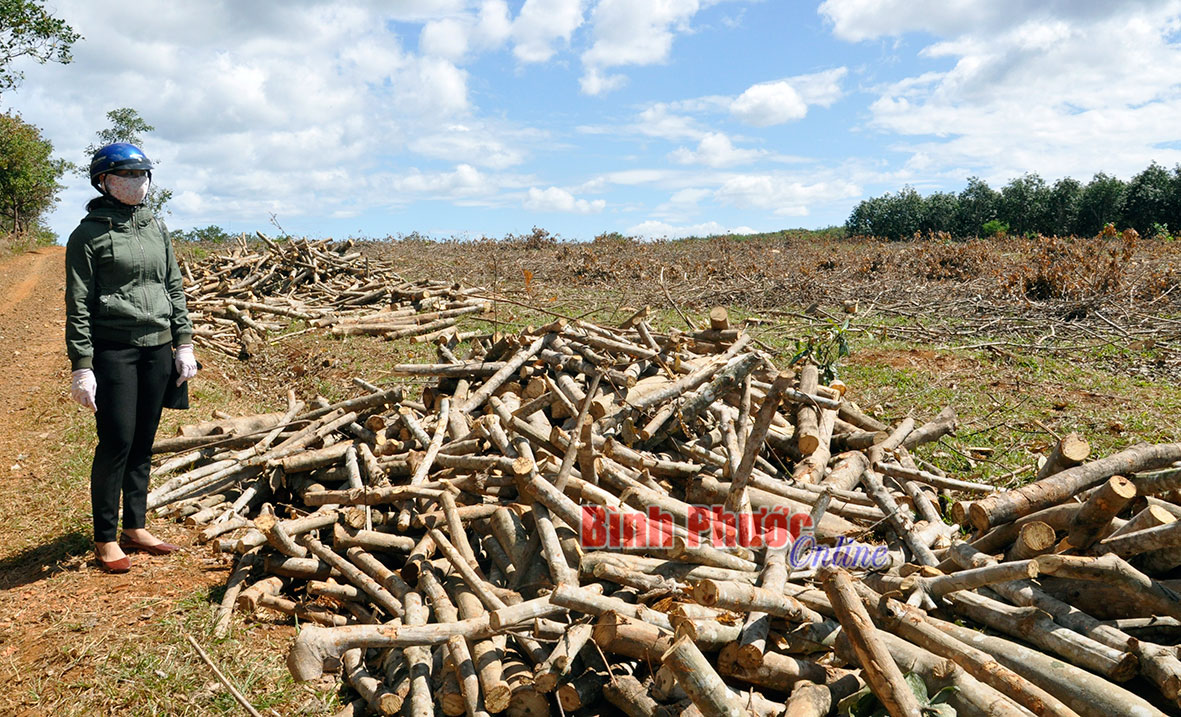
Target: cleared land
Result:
[1026, 339]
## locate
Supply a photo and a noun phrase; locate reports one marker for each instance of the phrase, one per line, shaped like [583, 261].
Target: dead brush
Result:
[944, 261]
[1160, 283]
[1074, 269]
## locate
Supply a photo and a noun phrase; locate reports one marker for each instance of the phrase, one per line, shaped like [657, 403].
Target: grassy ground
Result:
[1012, 404]
[76, 642]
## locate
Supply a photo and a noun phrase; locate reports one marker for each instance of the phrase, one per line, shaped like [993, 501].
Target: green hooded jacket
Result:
[122, 283]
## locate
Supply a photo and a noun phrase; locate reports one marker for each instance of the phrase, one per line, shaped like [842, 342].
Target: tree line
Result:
[1150, 203]
[29, 173]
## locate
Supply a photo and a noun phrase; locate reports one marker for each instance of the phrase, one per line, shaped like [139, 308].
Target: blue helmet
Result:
[120, 155]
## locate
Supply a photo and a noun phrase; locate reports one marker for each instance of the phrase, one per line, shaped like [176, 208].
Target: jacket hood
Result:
[107, 206]
[106, 209]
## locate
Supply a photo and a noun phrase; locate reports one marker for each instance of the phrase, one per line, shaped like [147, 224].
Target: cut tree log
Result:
[910, 624]
[1070, 450]
[483, 517]
[1093, 518]
[1035, 538]
[561, 659]
[1005, 507]
[701, 682]
[879, 669]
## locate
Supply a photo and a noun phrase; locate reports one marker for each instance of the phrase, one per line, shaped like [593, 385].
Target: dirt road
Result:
[32, 349]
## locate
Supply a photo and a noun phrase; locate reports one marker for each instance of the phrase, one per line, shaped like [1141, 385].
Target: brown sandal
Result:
[161, 548]
[121, 565]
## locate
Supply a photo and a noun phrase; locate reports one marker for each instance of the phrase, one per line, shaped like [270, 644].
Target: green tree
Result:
[1101, 203]
[904, 214]
[211, 233]
[1063, 206]
[1148, 200]
[28, 174]
[1173, 217]
[977, 205]
[939, 211]
[128, 126]
[1024, 205]
[27, 30]
[861, 219]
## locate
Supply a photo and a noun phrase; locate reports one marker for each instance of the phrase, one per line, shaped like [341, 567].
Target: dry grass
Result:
[795, 267]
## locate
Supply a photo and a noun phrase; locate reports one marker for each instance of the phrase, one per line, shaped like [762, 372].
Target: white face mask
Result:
[129, 190]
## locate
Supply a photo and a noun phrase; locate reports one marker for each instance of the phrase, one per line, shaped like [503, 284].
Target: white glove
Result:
[82, 389]
[186, 363]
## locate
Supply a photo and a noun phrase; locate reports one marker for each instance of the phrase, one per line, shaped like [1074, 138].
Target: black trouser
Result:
[130, 397]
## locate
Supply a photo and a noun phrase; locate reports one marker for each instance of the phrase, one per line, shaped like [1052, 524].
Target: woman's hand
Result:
[186, 363]
[82, 389]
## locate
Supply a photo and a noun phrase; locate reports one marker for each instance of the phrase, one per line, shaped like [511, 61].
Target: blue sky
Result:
[647, 117]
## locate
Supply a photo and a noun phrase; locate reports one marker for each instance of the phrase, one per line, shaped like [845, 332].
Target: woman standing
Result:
[126, 328]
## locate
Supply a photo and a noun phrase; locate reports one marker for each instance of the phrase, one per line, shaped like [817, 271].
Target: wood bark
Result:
[548, 674]
[809, 699]
[1084, 692]
[1006, 507]
[1094, 517]
[911, 624]
[971, 697]
[701, 682]
[879, 669]
[628, 695]
[808, 417]
[1070, 450]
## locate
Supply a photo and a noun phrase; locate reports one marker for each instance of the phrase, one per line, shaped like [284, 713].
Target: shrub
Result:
[995, 227]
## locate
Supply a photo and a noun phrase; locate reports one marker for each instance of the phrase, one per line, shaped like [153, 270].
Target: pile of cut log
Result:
[330, 286]
[577, 518]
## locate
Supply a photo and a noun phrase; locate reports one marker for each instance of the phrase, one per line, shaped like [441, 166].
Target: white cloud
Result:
[631, 178]
[493, 26]
[780, 194]
[595, 82]
[255, 123]
[769, 104]
[689, 196]
[657, 121]
[867, 19]
[636, 32]
[708, 103]
[475, 144]
[653, 229]
[556, 199]
[682, 203]
[761, 105]
[772, 103]
[453, 37]
[540, 24]
[431, 86]
[716, 150]
[820, 88]
[446, 38]
[632, 32]
[1030, 94]
[465, 181]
